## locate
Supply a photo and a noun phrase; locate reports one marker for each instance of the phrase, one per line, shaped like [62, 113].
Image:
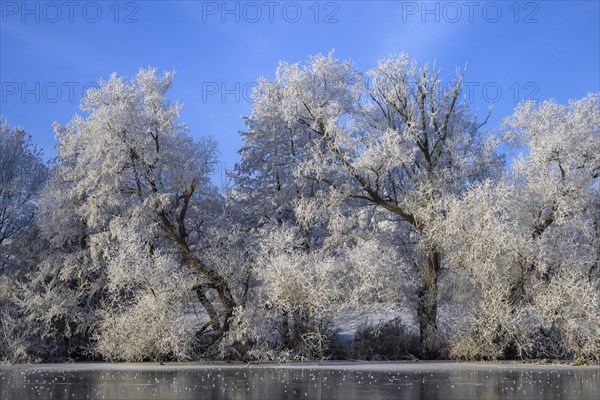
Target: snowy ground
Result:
[392, 366]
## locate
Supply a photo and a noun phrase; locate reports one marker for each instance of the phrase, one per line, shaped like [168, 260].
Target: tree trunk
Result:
[285, 328]
[427, 307]
[210, 310]
[213, 280]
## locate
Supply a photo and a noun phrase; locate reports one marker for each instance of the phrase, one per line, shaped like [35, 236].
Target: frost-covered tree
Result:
[22, 174]
[402, 142]
[145, 315]
[531, 244]
[266, 191]
[264, 181]
[301, 251]
[559, 194]
[129, 213]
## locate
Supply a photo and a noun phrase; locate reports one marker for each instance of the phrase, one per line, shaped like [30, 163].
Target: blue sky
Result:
[50, 51]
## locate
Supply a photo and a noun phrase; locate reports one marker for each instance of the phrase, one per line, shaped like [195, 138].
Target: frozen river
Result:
[331, 380]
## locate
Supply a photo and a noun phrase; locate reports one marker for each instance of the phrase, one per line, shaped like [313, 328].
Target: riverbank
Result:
[408, 366]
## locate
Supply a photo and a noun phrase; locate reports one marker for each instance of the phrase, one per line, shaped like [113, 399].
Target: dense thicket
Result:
[373, 203]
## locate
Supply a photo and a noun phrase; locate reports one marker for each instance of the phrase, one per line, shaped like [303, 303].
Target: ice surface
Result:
[323, 380]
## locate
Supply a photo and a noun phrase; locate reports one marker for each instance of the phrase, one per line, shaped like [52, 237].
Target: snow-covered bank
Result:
[388, 366]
